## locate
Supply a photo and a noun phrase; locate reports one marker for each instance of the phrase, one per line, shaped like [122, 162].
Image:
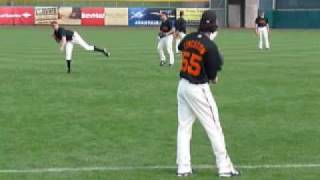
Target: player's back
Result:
[63, 32]
[180, 25]
[201, 59]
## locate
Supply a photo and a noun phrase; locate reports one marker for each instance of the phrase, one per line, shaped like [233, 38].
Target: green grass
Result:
[121, 111]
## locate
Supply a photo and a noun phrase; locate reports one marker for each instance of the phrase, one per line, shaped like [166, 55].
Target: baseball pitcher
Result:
[67, 39]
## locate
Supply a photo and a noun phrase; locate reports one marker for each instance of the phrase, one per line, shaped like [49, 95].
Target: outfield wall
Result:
[94, 16]
[298, 19]
[111, 3]
[292, 13]
[294, 19]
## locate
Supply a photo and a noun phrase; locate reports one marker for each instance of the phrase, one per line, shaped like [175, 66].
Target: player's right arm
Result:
[63, 42]
[256, 22]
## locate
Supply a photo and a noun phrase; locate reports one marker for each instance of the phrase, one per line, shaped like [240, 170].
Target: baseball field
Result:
[116, 118]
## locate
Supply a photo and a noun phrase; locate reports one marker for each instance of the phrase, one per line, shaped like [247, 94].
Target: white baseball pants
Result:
[263, 37]
[76, 39]
[166, 43]
[181, 35]
[195, 101]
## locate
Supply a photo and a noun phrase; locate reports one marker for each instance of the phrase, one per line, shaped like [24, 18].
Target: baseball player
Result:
[67, 39]
[181, 30]
[165, 38]
[200, 65]
[262, 30]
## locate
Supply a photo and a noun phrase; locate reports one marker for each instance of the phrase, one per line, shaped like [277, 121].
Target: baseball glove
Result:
[162, 34]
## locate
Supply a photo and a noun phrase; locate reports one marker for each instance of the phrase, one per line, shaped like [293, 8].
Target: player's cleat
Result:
[162, 63]
[106, 53]
[230, 174]
[184, 174]
[170, 65]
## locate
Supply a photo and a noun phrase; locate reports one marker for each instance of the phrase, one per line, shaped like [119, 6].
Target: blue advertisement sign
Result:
[149, 16]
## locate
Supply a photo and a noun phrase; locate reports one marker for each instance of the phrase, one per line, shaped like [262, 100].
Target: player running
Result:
[67, 38]
[165, 39]
[181, 30]
[262, 30]
[200, 65]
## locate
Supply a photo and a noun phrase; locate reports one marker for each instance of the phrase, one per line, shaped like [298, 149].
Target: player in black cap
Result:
[262, 30]
[200, 65]
[165, 38]
[67, 39]
[181, 30]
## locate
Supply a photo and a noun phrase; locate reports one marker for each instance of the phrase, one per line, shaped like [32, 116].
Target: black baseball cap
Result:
[164, 13]
[208, 21]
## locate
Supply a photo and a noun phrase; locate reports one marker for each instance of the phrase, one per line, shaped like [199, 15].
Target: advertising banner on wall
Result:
[6, 15]
[69, 15]
[45, 15]
[191, 15]
[17, 15]
[148, 16]
[116, 16]
[92, 16]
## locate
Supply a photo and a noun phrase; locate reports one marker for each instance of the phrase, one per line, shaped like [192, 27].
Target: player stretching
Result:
[165, 39]
[181, 30]
[67, 38]
[201, 62]
[262, 30]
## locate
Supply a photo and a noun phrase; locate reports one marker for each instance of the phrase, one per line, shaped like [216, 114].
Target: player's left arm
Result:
[172, 31]
[213, 63]
[180, 46]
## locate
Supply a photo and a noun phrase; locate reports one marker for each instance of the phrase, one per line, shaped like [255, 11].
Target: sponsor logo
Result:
[46, 11]
[147, 22]
[26, 15]
[137, 15]
[92, 15]
[23, 15]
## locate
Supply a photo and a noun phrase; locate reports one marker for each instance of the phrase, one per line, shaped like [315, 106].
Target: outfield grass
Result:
[121, 111]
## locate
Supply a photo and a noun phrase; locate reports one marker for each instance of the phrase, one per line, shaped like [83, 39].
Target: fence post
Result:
[273, 4]
[226, 11]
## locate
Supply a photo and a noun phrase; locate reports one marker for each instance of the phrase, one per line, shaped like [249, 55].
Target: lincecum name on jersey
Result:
[92, 16]
[193, 44]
